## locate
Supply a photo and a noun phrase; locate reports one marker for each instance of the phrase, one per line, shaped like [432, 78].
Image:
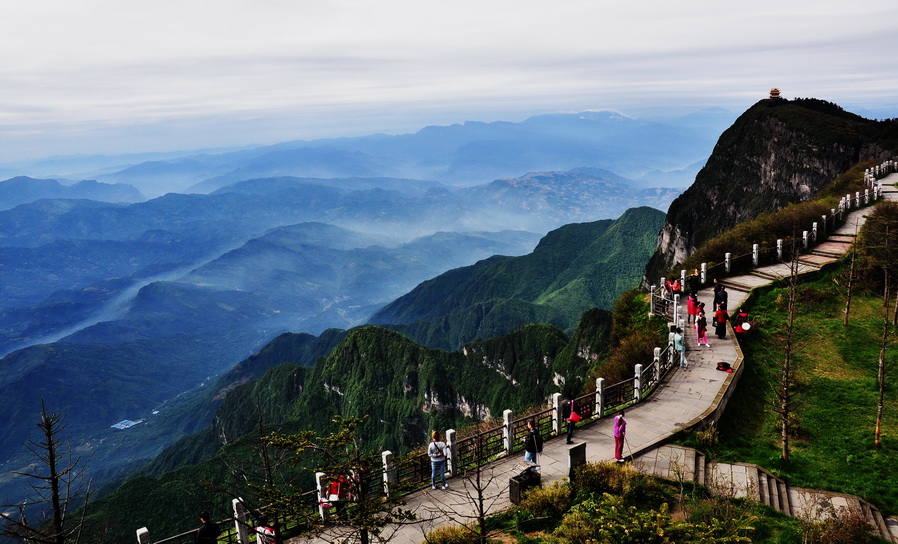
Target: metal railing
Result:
[617, 396]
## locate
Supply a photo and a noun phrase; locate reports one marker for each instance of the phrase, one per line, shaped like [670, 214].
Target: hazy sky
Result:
[113, 76]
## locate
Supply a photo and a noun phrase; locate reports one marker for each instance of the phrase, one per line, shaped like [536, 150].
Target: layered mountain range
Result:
[120, 308]
[156, 302]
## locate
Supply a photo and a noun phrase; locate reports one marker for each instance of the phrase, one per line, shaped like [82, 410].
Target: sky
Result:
[119, 76]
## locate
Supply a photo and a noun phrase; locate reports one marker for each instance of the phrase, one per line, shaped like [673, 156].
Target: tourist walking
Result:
[620, 435]
[675, 287]
[570, 415]
[533, 444]
[740, 325]
[720, 322]
[209, 531]
[694, 281]
[701, 328]
[680, 346]
[691, 307]
[437, 453]
[720, 297]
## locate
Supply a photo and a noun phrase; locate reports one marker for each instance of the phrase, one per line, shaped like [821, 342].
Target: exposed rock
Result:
[777, 153]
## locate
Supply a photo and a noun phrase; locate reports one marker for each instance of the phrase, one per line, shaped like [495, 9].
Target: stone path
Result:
[686, 399]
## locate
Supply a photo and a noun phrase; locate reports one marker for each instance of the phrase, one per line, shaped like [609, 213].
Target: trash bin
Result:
[517, 485]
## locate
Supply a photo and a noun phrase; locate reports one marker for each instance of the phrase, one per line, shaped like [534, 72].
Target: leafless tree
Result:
[879, 244]
[59, 486]
[476, 495]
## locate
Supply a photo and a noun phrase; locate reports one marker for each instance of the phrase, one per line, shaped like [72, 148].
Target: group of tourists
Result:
[533, 443]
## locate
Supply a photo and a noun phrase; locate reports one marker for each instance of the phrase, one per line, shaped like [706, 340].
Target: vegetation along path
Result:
[685, 400]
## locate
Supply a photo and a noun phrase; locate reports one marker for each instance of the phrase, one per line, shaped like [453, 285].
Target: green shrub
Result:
[634, 488]
[552, 501]
[638, 347]
[452, 534]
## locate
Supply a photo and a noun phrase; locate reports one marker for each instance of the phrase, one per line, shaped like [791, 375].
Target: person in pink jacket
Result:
[620, 433]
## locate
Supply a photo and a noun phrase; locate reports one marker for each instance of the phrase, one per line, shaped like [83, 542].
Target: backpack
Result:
[265, 535]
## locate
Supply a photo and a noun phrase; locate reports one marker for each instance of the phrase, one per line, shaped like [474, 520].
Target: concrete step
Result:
[877, 520]
[783, 491]
[701, 467]
[753, 485]
[892, 523]
[765, 274]
[828, 254]
[763, 493]
[733, 285]
[773, 493]
[689, 464]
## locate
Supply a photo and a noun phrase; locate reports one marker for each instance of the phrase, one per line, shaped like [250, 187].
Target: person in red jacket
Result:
[721, 316]
[740, 325]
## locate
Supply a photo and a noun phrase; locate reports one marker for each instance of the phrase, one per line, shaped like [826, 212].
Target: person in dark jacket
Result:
[568, 408]
[533, 443]
[209, 531]
[720, 297]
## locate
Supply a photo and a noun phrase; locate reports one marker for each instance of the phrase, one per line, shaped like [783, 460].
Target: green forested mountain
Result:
[572, 269]
[405, 390]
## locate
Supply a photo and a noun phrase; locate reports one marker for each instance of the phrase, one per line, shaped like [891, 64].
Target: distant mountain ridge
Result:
[22, 190]
[154, 300]
[465, 154]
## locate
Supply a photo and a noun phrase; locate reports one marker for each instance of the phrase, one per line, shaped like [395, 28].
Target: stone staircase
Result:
[827, 252]
[742, 480]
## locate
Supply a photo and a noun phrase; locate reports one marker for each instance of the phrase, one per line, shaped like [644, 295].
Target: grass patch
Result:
[835, 395]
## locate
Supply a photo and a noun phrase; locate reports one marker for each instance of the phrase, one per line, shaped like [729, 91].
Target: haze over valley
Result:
[122, 297]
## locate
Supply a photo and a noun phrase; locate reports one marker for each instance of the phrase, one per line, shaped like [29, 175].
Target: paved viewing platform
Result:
[686, 398]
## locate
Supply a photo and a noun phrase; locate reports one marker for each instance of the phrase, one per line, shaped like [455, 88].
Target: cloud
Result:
[341, 64]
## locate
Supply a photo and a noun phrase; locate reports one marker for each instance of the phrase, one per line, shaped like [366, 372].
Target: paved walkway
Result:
[687, 398]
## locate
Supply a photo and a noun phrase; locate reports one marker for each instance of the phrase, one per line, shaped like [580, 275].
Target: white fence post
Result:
[556, 413]
[389, 471]
[726, 262]
[240, 517]
[143, 536]
[453, 451]
[637, 383]
[755, 255]
[322, 493]
[600, 397]
[507, 433]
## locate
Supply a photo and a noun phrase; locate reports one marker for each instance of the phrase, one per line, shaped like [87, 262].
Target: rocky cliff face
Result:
[777, 153]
